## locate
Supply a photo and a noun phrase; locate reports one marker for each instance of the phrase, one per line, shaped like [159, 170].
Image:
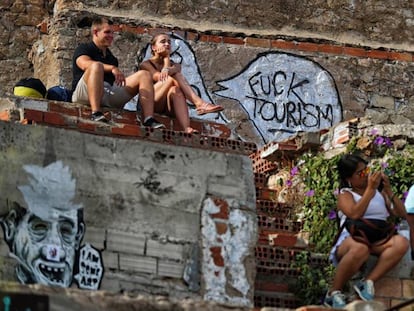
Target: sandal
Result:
[208, 108]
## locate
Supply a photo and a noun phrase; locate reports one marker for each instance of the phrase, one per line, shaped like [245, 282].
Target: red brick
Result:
[63, 108]
[54, 118]
[221, 228]
[407, 57]
[5, 115]
[259, 42]
[85, 112]
[357, 52]
[327, 48]
[127, 28]
[284, 45]
[204, 38]
[217, 257]
[271, 286]
[216, 39]
[42, 27]
[378, 54]
[308, 46]
[230, 40]
[192, 36]
[87, 126]
[117, 28]
[127, 130]
[141, 30]
[33, 115]
[224, 209]
[283, 239]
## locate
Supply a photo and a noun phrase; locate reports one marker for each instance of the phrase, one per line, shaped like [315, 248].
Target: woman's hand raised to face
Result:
[374, 180]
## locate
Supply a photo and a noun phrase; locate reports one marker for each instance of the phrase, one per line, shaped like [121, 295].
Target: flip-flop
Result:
[208, 108]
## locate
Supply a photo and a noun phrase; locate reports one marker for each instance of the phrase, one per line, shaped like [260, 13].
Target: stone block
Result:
[95, 236]
[138, 263]
[170, 269]
[110, 260]
[125, 242]
[165, 250]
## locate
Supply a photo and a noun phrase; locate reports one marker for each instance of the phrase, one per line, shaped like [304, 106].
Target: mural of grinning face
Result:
[44, 237]
[46, 248]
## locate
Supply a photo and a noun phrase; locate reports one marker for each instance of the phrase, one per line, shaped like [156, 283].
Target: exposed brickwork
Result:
[277, 43]
[213, 136]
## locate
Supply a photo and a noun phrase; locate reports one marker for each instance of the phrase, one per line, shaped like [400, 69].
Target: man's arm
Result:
[84, 61]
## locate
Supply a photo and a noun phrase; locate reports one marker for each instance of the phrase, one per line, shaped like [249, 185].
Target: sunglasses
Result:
[362, 173]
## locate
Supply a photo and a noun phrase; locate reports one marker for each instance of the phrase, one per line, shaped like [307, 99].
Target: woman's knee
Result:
[401, 244]
[359, 251]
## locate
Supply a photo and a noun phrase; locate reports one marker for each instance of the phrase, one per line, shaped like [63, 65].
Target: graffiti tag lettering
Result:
[284, 94]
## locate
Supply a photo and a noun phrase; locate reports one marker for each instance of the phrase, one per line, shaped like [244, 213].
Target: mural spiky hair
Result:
[51, 188]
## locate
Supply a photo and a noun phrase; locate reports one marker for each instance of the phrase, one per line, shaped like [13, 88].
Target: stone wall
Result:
[175, 221]
[365, 47]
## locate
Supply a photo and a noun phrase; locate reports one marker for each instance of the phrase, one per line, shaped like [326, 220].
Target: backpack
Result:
[30, 87]
[59, 93]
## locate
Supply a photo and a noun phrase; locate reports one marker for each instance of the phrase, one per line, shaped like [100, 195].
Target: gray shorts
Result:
[114, 96]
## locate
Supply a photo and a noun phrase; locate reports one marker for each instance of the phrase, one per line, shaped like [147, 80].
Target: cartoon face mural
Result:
[45, 237]
[182, 53]
[284, 94]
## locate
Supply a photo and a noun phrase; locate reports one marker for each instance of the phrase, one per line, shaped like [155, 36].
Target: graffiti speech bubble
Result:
[284, 94]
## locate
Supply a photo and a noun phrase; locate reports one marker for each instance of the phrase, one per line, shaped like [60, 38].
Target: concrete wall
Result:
[174, 221]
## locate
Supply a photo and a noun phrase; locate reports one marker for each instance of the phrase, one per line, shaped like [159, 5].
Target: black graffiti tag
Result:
[277, 98]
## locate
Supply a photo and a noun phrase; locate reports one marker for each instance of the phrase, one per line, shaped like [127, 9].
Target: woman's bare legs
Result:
[352, 256]
[192, 96]
[390, 254]
[169, 96]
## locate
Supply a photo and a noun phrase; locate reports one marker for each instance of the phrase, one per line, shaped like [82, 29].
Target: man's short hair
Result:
[99, 21]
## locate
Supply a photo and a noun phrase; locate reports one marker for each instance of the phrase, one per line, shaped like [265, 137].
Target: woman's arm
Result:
[399, 208]
[352, 209]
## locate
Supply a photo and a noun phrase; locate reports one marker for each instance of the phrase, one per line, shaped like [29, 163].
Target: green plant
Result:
[318, 208]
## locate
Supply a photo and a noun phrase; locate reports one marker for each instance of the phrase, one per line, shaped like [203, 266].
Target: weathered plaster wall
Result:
[163, 220]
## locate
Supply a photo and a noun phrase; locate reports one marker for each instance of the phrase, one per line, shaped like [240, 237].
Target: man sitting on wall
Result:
[98, 81]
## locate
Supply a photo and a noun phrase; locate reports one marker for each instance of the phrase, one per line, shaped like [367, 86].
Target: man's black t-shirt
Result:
[91, 50]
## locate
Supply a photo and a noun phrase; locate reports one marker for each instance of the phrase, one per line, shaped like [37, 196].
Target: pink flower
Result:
[310, 193]
[294, 171]
[288, 183]
[332, 214]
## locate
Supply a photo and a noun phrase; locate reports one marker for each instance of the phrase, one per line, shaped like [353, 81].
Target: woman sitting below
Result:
[171, 87]
[360, 198]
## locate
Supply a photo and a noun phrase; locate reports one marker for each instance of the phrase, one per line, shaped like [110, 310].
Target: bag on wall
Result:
[59, 93]
[30, 87]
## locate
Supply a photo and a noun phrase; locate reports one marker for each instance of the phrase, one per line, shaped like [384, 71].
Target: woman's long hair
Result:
[347, 166]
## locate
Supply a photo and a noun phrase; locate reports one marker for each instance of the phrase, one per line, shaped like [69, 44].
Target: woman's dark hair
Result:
[347, 166]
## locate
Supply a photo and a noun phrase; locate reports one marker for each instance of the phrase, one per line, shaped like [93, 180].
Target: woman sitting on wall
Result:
[171, 87]
[361, 204]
